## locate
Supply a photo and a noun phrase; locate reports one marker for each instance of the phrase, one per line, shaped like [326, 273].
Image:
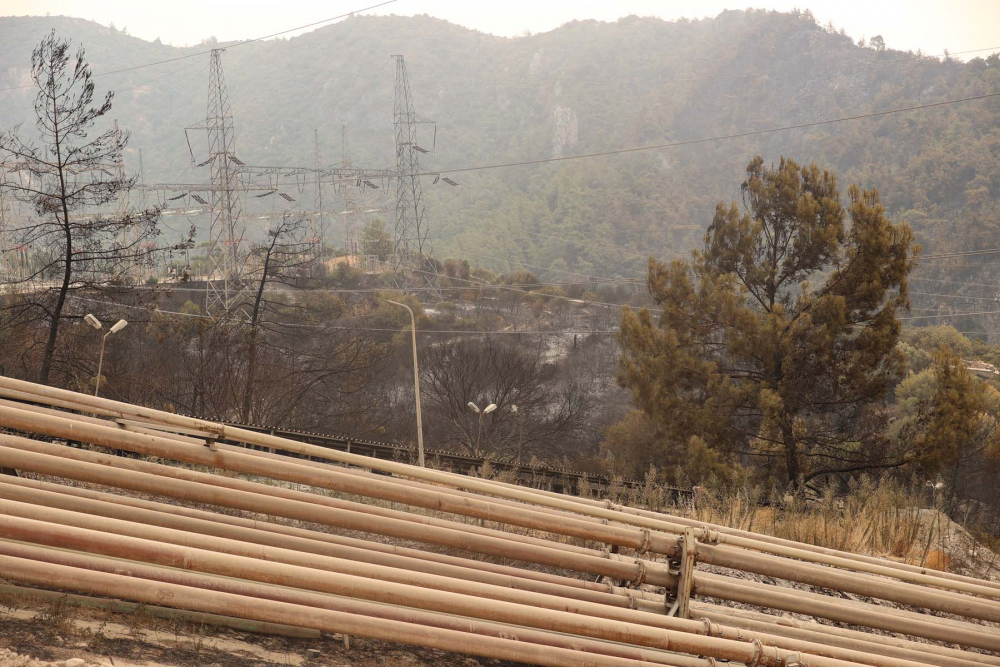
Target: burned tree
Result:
[70, 181]
[282, 258]
[485, 370]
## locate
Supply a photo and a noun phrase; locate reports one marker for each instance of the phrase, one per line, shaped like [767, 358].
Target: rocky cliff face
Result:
[565, 130]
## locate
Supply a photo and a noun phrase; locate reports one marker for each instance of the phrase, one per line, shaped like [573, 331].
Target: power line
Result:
[701, 140]
[962, 253]
[379, 329]
[723, 137]
[163, 289]
[231, 46]
[547, 296]
[952, 281]
[946, 315]
[957, 296]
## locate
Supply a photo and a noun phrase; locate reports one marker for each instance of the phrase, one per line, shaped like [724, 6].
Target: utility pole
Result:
[410, 233]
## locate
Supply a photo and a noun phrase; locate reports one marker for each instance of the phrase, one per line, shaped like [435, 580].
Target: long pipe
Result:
[293, 472]
[216, 602]
[864, 641]
[131, 441]
[194, 527]
[667, 633]
[22, 519]
[21, 453]
[277, 457]
[122, 607]
[273, 456]
[600, 510]
[325, 537]
[917, 632]
[161, 484]
[796, 601]
[335, 603]
[633, 517]
[821, 600]
[759, 563]
[328, 479]
[234, 547]
[881, 569]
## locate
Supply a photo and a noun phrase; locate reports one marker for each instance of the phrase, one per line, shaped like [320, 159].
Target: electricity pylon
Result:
[352, 241]
[410, 233]
[227, 286]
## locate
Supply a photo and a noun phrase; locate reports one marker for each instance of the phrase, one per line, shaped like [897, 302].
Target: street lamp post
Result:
[416, 383]
[485, 411]
[519, 425]
[96, 323]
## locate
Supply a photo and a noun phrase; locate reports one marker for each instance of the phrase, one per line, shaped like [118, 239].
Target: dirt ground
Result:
[52, 635]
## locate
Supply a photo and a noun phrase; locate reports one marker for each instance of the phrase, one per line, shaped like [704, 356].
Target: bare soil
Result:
[59, 636]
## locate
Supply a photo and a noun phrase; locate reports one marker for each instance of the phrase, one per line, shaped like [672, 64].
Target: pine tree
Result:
[752, 357]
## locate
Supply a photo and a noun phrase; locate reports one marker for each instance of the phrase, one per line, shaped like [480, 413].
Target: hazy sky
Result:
[930, 25]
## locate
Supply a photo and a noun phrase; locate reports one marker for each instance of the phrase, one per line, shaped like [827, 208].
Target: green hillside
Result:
[585, 87]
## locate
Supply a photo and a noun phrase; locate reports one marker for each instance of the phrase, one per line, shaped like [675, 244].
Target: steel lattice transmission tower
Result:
[410, 233]
[317, 226]
[227, 286]
[352, 238]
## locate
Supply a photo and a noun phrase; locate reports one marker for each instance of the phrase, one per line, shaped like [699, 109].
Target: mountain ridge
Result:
[585, 87]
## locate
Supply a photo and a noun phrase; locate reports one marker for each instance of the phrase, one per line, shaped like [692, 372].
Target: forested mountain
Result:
[585, 87]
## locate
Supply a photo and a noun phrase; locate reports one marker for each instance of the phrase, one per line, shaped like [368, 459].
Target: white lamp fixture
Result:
[96, 323]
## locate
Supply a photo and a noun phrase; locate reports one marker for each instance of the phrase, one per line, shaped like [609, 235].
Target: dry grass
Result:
[876, 517]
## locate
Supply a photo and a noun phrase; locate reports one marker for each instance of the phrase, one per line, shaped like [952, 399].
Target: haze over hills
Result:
[585, 87]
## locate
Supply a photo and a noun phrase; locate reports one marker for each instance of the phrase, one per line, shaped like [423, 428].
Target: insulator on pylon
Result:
[436, 179]
[233, 158]
[266, 194]
[198, 199]
[202, 164]
[371, 185]
[286, 197]
[449, 181]
[183, 194]
[418, 148]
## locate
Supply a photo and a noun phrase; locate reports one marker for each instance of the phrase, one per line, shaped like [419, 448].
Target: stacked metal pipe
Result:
[335, 542]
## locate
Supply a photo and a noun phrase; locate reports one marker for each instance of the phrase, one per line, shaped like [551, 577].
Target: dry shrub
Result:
[876, 516]
[937, 560]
